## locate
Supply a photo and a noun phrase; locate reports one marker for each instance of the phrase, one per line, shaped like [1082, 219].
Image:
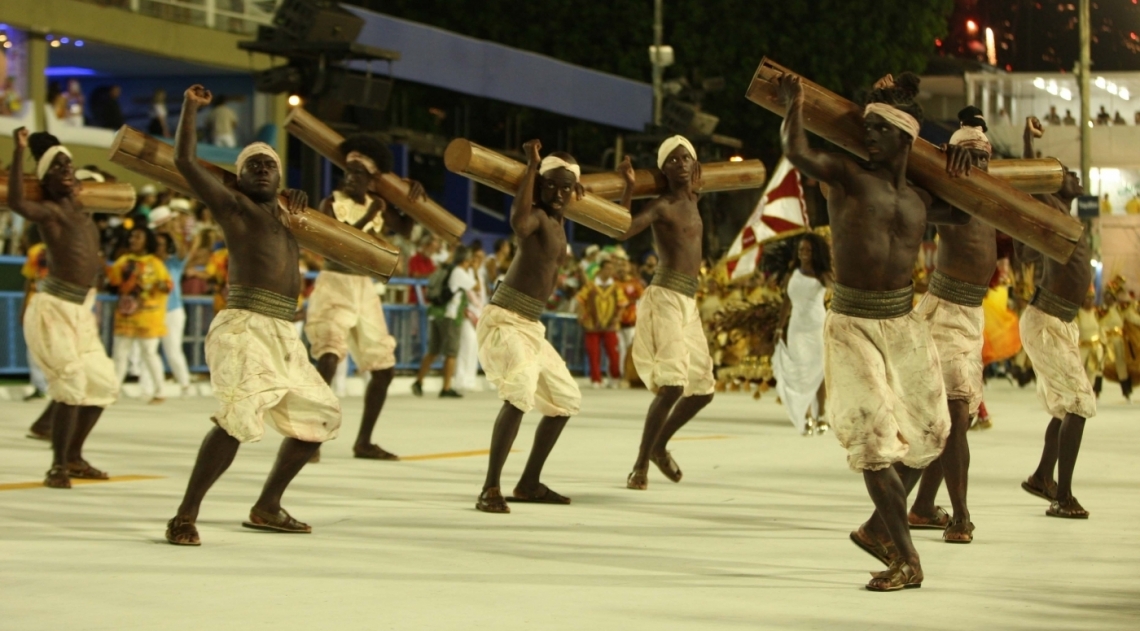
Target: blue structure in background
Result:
[440, 58]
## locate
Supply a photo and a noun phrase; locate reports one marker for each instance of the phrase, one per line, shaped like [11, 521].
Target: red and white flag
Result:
[781, 209]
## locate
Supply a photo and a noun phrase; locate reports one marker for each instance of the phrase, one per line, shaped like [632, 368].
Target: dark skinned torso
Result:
[534, 270]
[1068, 280]
[968, 252]
[72, 241]
[69, 232]
[263, 253]
[677, 231]
[876, 229]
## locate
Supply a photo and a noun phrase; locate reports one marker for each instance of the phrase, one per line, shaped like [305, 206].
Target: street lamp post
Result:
[655, 57]
[1086, 113]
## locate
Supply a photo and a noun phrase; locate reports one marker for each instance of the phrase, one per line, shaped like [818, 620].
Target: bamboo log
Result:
[715, 177]
[313, 230]
[325, 141]
[504, 174]
[1036, 176]
[982, 195]
[112, 198]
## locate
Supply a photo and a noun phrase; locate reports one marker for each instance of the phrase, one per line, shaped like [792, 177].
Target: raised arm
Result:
[32, 211]
[210, 189]
[626, 171]
[523, 221]
[820, 165]
[1033, 129]
[376, 206]
[642, 219]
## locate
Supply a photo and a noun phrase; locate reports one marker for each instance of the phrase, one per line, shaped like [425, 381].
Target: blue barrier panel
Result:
[408, 323]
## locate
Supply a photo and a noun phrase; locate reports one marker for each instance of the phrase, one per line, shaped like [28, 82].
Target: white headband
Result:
[356, 156]
[972, 138]
[258, 148]
[45, 160]
[896, 117]
[86, 175]
[549, 163]
[672, 143]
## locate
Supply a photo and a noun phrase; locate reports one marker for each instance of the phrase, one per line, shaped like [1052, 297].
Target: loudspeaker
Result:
[279, 79]
[687, 119]
[357, 90]
[316, 21]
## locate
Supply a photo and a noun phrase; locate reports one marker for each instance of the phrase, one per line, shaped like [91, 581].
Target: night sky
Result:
[1042, 36]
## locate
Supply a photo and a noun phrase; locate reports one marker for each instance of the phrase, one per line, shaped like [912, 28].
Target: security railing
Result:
[234, 16]
[408, 323]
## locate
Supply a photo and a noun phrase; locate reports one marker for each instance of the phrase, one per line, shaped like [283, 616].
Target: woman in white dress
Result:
[797, 362]
[467, 362]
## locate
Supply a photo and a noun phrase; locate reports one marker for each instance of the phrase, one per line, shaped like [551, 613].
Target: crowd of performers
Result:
[903, 369]
[766, 331]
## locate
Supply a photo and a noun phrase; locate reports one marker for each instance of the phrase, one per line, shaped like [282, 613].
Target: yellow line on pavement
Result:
[19, 486]
[450, 454]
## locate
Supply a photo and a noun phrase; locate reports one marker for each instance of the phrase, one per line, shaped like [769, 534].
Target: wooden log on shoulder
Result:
[112, 198]
[982, 195]
[504, 174]
[361, 252]
[715, 177]
[326, 141]
[1036, 176]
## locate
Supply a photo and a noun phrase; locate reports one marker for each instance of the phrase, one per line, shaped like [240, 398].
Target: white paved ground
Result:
[754, 538]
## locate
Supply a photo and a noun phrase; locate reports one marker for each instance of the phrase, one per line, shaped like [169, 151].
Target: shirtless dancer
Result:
[670, 350]
[884, 382]
[345, 314]
[967, 257]
[59, 324]
[1052, 341]
[513, 349]
[258, 366]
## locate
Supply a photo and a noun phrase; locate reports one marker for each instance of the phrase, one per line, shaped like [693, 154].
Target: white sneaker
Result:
[597, 385]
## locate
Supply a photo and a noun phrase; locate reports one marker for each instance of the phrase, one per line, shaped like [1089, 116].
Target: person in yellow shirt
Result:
[1133, 205]
[35, 269]
[1105, 206]
[144, 286]
[601, 304]
[218, 273]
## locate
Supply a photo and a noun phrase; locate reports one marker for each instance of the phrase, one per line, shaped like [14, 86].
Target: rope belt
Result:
[676, 281]
[876, 305]
[64, 290]
[263, 301]
[957, 291]
[516, 301]
[1055, 305]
